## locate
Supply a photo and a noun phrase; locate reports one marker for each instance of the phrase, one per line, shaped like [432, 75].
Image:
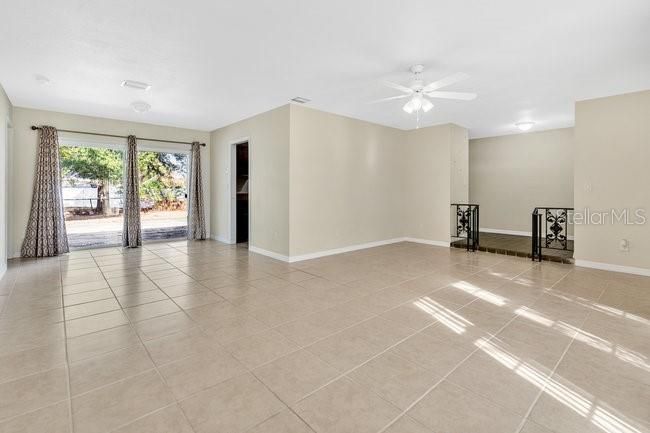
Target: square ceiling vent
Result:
[139, 85]
[300, 100]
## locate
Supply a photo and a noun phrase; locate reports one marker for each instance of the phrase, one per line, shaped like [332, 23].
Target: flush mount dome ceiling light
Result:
[419, 93]
[140, 106]
[42, 80]
[524, 126]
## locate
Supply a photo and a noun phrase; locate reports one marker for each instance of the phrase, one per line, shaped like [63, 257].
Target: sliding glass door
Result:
[163, 195]
[93, 194]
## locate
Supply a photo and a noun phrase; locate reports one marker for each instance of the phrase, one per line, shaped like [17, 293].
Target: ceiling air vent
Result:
[300, 100]
[136, 85]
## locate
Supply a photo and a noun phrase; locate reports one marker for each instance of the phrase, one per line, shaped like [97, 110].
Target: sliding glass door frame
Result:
[145, 146]
[118, 144]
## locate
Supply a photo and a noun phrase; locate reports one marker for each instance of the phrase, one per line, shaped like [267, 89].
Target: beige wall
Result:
[512, 174]
[24, 146]
[612, 170]
[322, 182]
[428, 180]
[268, 136]
[318, 181]
[459, 143]
[346, 182]
[6, 114]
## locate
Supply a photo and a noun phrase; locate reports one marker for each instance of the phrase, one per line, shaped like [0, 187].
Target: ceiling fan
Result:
[419, 93]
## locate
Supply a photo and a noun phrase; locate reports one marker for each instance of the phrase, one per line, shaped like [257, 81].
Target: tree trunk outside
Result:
[100, 194]
[103, 200]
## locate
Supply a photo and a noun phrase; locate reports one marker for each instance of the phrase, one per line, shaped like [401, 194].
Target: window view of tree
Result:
[98, 166]
[162, 176]
[162, 180]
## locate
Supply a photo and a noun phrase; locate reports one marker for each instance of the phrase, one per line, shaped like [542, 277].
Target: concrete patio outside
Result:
[100, 232]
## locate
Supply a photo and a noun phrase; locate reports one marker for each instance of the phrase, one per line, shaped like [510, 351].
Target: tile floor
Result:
[205, 337]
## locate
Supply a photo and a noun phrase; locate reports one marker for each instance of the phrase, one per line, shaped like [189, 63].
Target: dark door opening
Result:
[241, 175]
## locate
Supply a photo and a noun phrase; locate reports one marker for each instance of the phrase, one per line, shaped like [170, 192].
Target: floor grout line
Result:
[197, 325]
[339, 331]
[347, 372]
[131, 324]
[69, 398]
[155, 367]
[414, 403]
[160, 409]
[248, 371]
[555, 367]
[67, 357]
[281, 401]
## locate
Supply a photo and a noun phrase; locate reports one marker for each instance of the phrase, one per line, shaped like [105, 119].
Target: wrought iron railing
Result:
[467, 224]
[550, 229]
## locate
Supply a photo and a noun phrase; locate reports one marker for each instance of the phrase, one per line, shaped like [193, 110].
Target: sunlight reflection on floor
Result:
[569, 395]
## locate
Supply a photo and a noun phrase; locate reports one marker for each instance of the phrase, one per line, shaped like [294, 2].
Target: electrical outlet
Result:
[624, 245]
[588, 187]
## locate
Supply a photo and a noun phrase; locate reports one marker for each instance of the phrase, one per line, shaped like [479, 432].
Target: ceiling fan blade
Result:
[447, 81]
[389, 99]
[397, 87]
[463, 96]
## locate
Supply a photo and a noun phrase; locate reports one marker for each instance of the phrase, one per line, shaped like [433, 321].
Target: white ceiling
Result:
[213, 62]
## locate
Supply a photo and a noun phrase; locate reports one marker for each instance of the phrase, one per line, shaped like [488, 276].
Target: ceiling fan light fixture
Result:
[524, 126]
[417, 102]
[418, 94]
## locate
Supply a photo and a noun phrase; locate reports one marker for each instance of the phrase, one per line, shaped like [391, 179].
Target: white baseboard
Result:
[350, 248]
[221, 239]
[267, 253]
[428, 242]
[342, 250]
[511, 232]
[506, 232]
[613, 268]
[3, 269]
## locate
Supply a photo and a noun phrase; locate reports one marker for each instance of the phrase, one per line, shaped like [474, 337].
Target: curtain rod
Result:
[34, 128]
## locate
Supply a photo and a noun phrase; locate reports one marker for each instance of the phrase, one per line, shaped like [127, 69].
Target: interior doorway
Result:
[241, 192]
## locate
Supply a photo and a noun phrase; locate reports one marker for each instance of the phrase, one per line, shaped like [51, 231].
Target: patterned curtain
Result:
[45, 235]
[196, 215]
[131, 233]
